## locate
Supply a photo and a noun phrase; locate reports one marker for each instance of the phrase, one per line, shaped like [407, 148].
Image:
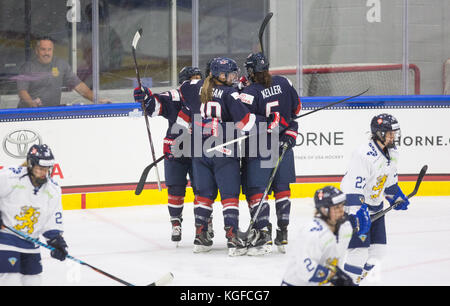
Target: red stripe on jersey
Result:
[284, 122]
[185, 117]
[241, 124]
[299, 107]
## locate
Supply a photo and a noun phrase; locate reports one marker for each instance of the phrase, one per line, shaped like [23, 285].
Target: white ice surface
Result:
[133, 243]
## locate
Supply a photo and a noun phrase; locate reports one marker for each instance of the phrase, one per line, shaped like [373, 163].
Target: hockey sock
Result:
[283, 208]
[367, 268]
[176, 200]
[202, 210]
[262, 220]
[231, 212]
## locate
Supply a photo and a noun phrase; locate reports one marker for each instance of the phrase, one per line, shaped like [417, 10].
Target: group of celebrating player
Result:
[260, 106]
[205, 107]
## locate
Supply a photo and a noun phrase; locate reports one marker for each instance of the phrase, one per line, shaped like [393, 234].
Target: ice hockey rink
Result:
[133, 243]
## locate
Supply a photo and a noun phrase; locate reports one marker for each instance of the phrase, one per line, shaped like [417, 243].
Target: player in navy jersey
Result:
[176, 169]
[213, 106]
[273, 97]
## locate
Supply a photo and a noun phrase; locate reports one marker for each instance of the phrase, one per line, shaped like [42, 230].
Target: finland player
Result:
[372, 173]
[218, 103]
[321, 245]
[29, 202]
[272, 97]
[176, 169]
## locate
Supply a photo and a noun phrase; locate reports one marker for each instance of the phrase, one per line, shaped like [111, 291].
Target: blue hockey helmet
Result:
[383, 123]
[256, 62]
[327, 197]
[223, 65]
[40, 155]
[187, 72]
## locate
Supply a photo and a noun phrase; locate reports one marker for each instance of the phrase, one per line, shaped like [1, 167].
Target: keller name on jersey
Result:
[271, 91]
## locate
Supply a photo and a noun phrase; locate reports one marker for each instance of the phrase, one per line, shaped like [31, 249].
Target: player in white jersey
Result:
[371, 175]
[321, 245]
[30, 202]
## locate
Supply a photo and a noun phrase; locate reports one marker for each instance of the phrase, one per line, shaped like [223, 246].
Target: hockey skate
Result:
[236, 246]
[260, 241]
[176, 230]
[281, 240]
[202, 242]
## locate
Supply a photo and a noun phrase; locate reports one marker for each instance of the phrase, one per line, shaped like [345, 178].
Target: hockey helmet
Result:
[187, 72]
[327, 197]
[223, 65]
[208, 66]
[40, 155]
[256, 62]
[383, 123]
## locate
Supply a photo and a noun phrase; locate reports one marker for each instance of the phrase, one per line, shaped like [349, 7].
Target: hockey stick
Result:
[141, 183]
[244, 235]
[262, 28]
[331, 104]
[397, 203]
[308, 113]
[136, 39]
[160, 282]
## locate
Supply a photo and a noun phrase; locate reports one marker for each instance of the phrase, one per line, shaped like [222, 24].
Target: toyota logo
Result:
[16, 144]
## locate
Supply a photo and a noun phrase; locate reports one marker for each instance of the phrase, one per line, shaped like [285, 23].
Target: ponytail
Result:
[264, 78]
[207, 89]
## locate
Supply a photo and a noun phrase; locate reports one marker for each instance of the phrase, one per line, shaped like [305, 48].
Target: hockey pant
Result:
[20, 269]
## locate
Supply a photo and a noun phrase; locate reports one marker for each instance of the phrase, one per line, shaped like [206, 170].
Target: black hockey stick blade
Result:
[422, 173]
[262, 28]
[141, 183]
[331, 104]
[163, 280]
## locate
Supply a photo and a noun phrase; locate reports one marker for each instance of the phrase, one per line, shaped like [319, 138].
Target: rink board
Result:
[101, 150]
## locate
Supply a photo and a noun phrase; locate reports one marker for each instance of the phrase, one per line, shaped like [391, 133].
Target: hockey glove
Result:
[393, 193]
[243, 82]
[60, 247]
[340, 278]
[361, 220]
[167, 148]
[142, 94]
[289, 138]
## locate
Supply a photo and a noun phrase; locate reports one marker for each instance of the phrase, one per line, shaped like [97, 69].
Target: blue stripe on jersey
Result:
[320, 274]
[12, 240]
